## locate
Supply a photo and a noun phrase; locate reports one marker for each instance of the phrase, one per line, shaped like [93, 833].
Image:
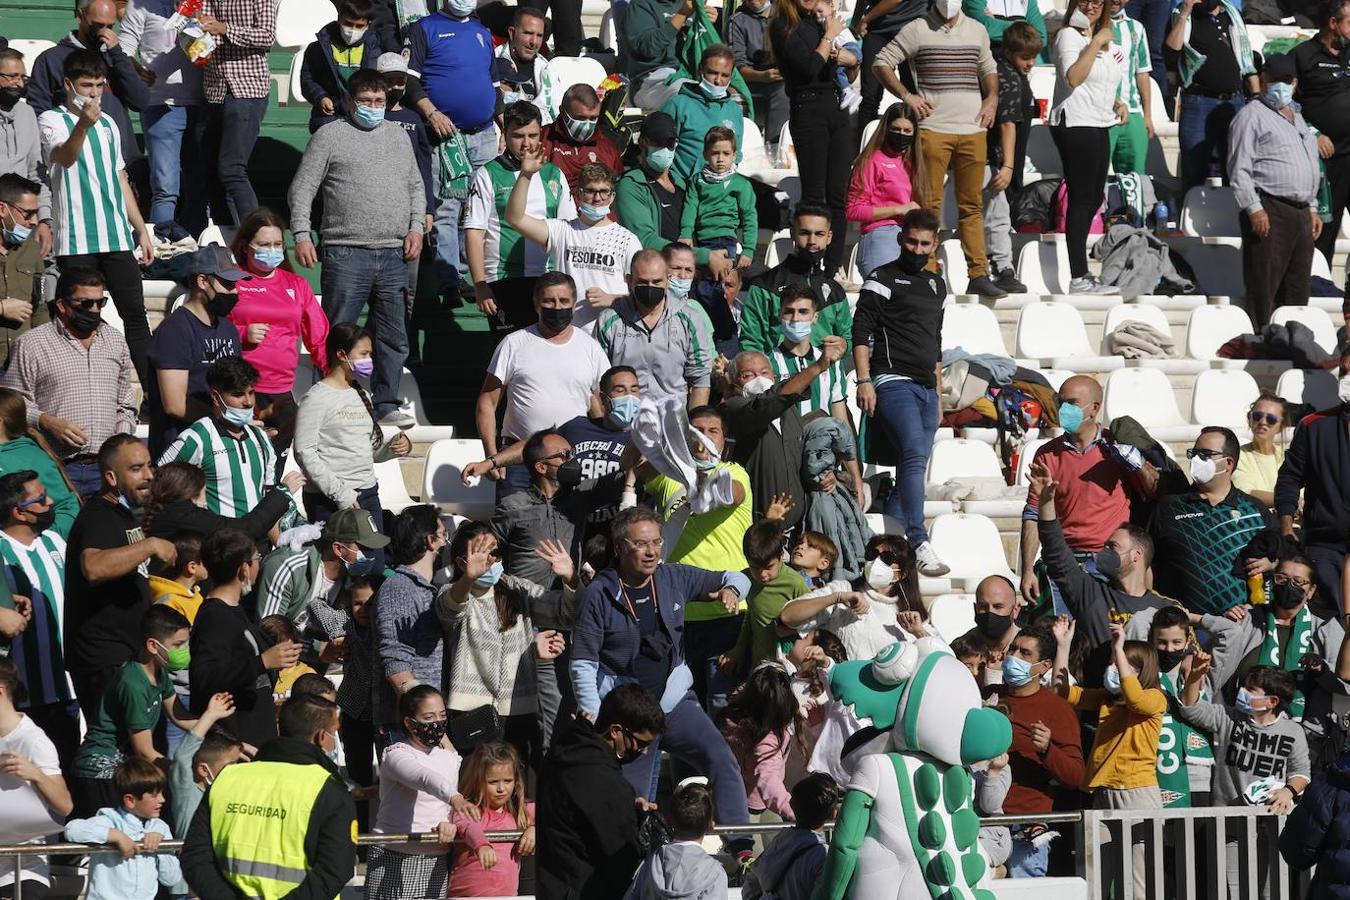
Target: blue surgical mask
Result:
[623, 410]
[18, 234]
[1280, 93]
[368, 117]
[660, 158]
[1070, 416]
[679, 288]
[795, 331]
[237, 416]
[359, 566]
[1111, 680]
[706, 464]
[1243, 703]
[1016, 671]
[269, 257]
[714, 91]
[592, 213]
[489, 578]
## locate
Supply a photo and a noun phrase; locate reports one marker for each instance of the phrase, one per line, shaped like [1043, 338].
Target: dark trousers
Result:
[1338, 179]
[123, 275]
[771, 110]
[871, 86]
[823, 137]
[232, 131]
[1202, 130]
[567, 31]
[1086, 153]
[1155, 16]
[1328, 560]
[358, 748]
[89, 687]
[703, 643]
[279, 416]
[61, 723]
[92, 794]
[1276, 268]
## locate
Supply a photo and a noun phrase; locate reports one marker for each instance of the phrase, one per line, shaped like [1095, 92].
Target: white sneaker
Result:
[1088, 284]
[399, 418]
[930, 564]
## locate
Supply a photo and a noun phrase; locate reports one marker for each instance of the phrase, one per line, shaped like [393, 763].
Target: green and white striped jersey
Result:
[88, 209]
[1133, 42]
[38, 572]
[506, 252]
[825, 390]
[238, 470]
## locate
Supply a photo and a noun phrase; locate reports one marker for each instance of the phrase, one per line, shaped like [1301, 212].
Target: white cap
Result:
[391, 62]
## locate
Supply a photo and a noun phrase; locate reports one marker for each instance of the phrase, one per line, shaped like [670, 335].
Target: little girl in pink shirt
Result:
[494, 779]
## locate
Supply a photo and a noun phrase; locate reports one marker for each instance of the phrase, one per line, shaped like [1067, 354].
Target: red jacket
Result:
[570, 156]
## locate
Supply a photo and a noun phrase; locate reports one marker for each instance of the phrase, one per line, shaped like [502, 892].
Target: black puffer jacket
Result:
[1317, 833]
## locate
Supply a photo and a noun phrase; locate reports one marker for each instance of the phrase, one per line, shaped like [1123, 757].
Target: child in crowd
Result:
[133, 826]
[791, 865]
[819, 715]
[719, 214]
[1022, 44]
[124, 723]
[315, 685]
[992, 781]
[773, 584]
[280, 630]
[200, 756]
[33, 792]
[760, 724]
[813, 557]
[178, 588]
[340, 49]
[394, 68]
[494, 780]
[844, 76]
[971, 652]
[683, 868]
[419, 778]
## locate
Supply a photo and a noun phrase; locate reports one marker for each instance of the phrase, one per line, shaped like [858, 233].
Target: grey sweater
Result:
[332, 441]
[373, 194]
[408, 637]
[1245, 752]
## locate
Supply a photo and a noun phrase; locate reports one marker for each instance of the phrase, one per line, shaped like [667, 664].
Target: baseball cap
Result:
[1280, 66]
[354, 526]
[391, 62]
[216, 260]
[659, 130]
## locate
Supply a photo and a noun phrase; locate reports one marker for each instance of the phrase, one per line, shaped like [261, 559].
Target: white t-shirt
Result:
[863, 638]
[596, 257]
[26, 818]
[1092, 103]
[546, 383]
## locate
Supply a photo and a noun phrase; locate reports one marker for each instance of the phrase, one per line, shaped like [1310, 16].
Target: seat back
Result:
[954, 270]
[951, 615]
[569, 70]
[972, 327]
[1324, 332]
[970, 545]
[1222, 397]
[1210, 212]
[1210, 327]
[297, 20]
[780, 247]
[1143, 394]
[1051, 328]
[442, 485]
[1316, 387]
[1025, 456]
[31, 50]
[393, 488]
[958, 457]
[1134, 312]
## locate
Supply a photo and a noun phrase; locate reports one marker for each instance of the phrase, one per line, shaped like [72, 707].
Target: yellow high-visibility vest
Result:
[259, 818]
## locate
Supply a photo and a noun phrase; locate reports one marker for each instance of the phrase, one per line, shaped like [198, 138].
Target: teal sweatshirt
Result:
[652, 41]
[694, 113]
[638, 210]
[721, 210]
[22, 453]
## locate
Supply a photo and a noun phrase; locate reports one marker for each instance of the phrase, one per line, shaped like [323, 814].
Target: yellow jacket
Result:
[186, 601]
[1125, 753]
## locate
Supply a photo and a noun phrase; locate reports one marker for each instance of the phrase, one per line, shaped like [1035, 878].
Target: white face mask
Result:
[1203, 471]
[1079, 19]
[1343, 389]
[760, 384]
[80, 101]
[879, 575]
[350, 36]
[949, 8]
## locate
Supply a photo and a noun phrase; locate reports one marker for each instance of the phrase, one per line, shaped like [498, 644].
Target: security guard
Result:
[283, 825]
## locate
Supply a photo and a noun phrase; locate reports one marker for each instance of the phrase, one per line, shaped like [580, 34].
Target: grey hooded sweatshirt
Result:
[21, 151]
[679, 871]
[788, 868]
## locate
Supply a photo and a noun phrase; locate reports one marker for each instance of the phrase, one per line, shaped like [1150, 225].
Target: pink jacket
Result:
[284, 301]
[763, 769]
[467, 878]
[885, 182]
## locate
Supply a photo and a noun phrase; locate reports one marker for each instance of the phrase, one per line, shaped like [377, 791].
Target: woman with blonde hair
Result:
[887, 183]
[23, 448]
[1259, 463]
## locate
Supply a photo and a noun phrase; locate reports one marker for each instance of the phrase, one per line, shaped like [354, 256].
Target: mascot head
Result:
[922, 694]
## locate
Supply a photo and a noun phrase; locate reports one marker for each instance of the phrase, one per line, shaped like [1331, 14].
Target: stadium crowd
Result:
[211, 629]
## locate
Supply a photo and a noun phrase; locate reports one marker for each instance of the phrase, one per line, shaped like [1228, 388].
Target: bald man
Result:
[997, 605]
[1091, 474]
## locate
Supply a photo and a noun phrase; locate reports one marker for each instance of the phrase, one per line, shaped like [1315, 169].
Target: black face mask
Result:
[45, 519]
[392, 97]
[83, 321]
[556, 319]
[11, 95]
[1170, 659]
[992, 625]
[646, 296]
[912, 263]
[810, 258]
[569, 473]
[1108, 562]
[89, 36]
[429, 733]
[898, 141]
[221, 304]
[1287, 596]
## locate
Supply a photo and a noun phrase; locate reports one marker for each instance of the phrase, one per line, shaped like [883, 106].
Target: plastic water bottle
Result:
[1160, 214]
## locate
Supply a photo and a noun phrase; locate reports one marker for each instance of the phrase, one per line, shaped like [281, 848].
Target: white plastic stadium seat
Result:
[294, 95]
[1054, 330]
[1210, 327]
[1162, 125]
[954, 270]
[780, 246]
[957, 458]
[1134, 312]
[608, 38]
[1026, 455]
[569, 70]
[1324, 332]
[31, 50]
[441, 483]
[1222, 397]
[1042, 80]
[951, 615]
[393, 489]
[1057, 377]
[296, 21]
[1210, 212]
[971, 546]
[1316, 387]
[1146, 395]
[973, 327]
[1037, 267]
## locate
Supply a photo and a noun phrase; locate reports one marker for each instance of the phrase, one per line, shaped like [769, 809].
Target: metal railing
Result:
[1186, 851]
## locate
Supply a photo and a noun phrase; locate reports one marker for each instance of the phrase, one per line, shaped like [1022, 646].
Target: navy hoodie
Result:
[1317, 833]
[1318, 462]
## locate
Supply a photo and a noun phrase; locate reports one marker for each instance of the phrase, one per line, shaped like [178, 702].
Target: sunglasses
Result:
[88, 304]
[886, 556]
[1192, 453]
[39, 500]
[1256, 418]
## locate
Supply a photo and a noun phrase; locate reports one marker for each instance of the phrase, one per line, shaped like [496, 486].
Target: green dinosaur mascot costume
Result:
[907, 829]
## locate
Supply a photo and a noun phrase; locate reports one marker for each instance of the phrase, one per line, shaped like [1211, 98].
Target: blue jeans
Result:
[355, 276]
[451, 265]
[232, 127]
[1202, 129]
[1026, 860]
[1155, 16]
[165, 129]
[878, 247]
[84, 477]
[909, 413]
[703, 642]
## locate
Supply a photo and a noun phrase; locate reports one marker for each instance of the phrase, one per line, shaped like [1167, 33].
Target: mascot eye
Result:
[895, 664]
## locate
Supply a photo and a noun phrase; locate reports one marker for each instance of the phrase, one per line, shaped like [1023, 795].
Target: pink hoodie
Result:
[763, 769]
[467, 877]
[285, 302]
[885, 182]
